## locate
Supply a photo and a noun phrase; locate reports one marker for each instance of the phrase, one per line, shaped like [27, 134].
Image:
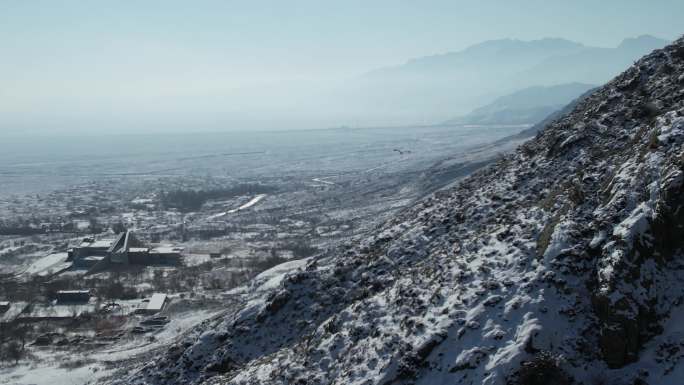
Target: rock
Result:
[493, 300]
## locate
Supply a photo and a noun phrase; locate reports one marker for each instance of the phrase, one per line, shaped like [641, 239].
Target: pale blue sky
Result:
[136, 65]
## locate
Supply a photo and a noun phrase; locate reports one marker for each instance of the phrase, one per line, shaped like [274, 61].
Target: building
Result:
[69, 304]
[58, 311]
[157, 303]
[165, 255]
[124, 249]
[91, 247]
[90, 252]
[73, 296]
[10, 311]
[138, 255]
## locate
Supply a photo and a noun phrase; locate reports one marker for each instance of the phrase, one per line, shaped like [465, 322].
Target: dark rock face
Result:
[542, 370]
[564, 257]
[627, 320]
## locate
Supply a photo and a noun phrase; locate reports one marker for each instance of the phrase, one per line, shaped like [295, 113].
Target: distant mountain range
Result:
[527, 106]
[591, 64]
[439, 87]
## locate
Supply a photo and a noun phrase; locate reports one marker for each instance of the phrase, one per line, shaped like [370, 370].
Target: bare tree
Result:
[14, 351]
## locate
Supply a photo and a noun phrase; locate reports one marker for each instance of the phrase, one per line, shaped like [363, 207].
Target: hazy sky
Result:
[120, 66]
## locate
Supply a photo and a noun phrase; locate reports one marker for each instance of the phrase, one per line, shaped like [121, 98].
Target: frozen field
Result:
[45, 164]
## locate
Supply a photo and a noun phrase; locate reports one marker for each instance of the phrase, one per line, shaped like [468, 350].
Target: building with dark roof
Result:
[124, 249]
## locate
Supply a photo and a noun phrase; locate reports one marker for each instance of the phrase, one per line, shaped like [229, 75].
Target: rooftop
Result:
[166, 250]
[60, 311]
[15, 309]
[73, 292]
[157, 301]
[98, 244]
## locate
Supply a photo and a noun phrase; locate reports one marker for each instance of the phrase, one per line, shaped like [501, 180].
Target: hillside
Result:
[527, 106]
[561, 262]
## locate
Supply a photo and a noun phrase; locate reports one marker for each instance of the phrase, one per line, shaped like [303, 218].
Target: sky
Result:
[169, 66]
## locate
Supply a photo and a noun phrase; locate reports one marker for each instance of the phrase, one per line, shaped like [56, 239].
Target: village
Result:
[90, 296]
[111, 267]
[104, 267]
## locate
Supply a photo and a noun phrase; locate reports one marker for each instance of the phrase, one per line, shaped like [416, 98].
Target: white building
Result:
[157, 303]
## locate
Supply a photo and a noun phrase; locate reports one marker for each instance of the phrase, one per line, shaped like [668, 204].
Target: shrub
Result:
[14, 352]
[545, 236]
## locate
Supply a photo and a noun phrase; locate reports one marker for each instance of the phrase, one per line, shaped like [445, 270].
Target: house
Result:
[58, 311]
[157, 303]
[165, 255]
[11, 311]
[138, 255]
[91, 247]
[161, 255]
[73, 296]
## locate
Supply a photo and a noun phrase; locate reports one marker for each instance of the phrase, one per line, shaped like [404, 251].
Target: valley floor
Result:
[227, 243]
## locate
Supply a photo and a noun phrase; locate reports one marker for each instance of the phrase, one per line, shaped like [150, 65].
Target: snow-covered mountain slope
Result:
[558, 264]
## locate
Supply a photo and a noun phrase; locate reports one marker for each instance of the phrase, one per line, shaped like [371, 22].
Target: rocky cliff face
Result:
[559, 264]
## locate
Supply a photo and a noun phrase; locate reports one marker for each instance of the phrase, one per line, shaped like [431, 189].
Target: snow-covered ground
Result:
[245, 206]
[50, 366]
[179, 323]
[50, 264]
[48, 372]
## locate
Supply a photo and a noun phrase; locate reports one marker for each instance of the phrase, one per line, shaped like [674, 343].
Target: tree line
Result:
[193, 200]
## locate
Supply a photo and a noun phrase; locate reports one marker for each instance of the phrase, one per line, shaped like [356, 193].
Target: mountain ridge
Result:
[553, 43]
[489, 47]
[437, 88]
